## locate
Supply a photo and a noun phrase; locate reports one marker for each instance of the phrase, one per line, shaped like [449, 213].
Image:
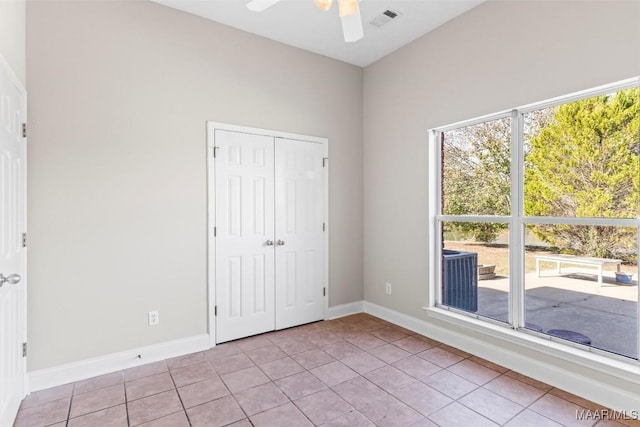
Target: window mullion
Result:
[475, 218]
[619, 222]
[435, 210]
[516, 238]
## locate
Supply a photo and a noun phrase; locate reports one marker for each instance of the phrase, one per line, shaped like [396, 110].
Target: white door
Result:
[299, 232]
[244, 249]
[12, 254]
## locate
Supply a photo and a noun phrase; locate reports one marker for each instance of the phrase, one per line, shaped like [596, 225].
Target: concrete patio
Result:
[573, 301]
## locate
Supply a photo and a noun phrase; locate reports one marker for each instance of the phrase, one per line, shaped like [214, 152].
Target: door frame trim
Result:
[211, 210]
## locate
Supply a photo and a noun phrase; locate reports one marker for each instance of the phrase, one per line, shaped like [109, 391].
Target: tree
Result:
[476, 176]
[585, 163]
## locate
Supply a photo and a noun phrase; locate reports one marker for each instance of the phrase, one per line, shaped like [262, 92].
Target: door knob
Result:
[280, 242]
[269, 243]
[12, 279]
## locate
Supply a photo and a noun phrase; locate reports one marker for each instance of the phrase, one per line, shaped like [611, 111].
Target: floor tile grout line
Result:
[246, 416]
[543, 415]
[507, 397]
[93, 412]
[145, 377]
[380, 388]
[290, 400]
[304, 413]
[175, 388]
[524, 408]
[544, 393]
[418, 380]
[73, 388]
[70, 403]
[101, 387]
[232, 394]
[126, 401]
[471, 409]
[161, 417]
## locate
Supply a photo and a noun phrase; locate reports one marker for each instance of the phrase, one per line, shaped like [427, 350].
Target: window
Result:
[537, 215]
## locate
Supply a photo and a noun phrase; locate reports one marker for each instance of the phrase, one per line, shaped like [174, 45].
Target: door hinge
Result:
[324, 162]
[215, 151]
[324, 292]
[24, 240]
[24, 349]
[24, 130]
[215, 231]
[215, 310]
[324, 226]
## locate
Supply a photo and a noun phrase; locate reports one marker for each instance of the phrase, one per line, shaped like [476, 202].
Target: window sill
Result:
[628, 370]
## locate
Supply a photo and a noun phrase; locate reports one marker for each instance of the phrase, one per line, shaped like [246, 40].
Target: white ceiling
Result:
[299, 23]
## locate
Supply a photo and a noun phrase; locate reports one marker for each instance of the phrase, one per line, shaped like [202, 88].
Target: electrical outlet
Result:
[154, 317]
[388, 288]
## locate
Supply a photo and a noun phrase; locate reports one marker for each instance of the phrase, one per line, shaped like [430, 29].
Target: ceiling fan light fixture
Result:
[323, 5]
[349, 12]
[348, 7]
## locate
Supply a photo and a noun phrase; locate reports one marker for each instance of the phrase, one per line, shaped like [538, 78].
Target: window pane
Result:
[564, 296]
[476, 162]
[581, 158]
[475, 274]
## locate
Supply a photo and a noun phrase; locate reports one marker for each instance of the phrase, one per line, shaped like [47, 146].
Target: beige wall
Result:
[12, 35]
[497, 56]
[119, 96]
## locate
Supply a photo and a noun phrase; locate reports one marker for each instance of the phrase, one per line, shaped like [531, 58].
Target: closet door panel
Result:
[299, 205]
[244, 263]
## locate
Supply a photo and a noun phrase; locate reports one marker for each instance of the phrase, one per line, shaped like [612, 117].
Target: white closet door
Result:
[299, 187]
[244, 229]
[13, 316]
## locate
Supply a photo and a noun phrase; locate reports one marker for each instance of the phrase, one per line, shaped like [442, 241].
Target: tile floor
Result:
[354, 371]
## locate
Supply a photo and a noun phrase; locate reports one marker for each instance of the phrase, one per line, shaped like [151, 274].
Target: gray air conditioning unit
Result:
[460, 280]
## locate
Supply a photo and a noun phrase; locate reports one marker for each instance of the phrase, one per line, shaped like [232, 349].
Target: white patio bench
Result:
[577, 260]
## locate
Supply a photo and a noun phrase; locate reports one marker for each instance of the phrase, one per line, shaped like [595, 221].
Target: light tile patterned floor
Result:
[354, 371]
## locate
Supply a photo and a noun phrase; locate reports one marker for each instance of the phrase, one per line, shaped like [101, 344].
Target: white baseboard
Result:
[520, 359]
[515, 357]
[76, 371]
[345, 309]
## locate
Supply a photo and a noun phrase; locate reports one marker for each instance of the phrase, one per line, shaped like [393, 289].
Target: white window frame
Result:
[514, 328]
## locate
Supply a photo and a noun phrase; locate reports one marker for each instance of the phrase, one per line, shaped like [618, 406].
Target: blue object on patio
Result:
[460, 279]
[623, 278]
[570, 335]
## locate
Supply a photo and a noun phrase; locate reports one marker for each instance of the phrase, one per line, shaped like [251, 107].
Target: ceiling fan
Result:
[349, 12]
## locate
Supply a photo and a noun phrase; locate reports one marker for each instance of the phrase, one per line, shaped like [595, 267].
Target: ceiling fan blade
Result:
[347, 7]
[352, 26]
[323, 5]
[260, 5]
